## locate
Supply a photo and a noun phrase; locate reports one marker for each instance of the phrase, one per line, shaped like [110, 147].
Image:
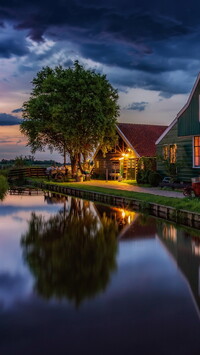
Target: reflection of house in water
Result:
[184, 246]
[142, 228]
[130, 223]
[122, 216]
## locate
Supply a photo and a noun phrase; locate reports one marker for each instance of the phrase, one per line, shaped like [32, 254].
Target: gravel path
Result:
[123, 186]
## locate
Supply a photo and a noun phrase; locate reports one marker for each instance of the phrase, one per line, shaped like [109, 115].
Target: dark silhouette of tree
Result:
[72, 254]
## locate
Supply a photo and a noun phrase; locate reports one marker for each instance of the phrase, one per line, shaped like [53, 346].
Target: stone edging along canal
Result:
[191, 219]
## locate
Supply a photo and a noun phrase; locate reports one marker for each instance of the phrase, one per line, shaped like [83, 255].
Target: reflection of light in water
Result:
[127, 216]
[195, 248]
[170, 232]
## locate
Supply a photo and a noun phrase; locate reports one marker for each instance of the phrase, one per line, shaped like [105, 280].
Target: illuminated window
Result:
[97, 164]
[172, 152]
[197, 151]
[166, 152]
[169, 152]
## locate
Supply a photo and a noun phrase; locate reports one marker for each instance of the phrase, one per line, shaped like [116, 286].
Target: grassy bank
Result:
[3, 186]
[189, 204]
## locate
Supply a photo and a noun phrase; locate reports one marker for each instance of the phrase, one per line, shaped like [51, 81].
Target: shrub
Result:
[4, 172]
[139, 177]
[154, 178]
[143, 176]
[3, 186]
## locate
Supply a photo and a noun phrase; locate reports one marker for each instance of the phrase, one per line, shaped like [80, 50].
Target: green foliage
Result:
[3, 186]
[147, 163]
[4, 172]
[71, 110]
[171, 169]
[143, 176]
[154, 178]
[71, 255]
[20, 162]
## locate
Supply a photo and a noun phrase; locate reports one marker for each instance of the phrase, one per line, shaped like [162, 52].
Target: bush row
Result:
[148, 177]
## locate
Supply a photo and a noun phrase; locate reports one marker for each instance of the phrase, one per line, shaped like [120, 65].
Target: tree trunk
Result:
[85, 163]
[79, 163]
[73, 159]
[64, 156]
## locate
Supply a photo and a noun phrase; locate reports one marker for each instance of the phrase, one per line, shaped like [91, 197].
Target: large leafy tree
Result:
[71, 110]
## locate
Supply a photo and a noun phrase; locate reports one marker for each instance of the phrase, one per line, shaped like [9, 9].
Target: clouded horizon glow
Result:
[149, 51]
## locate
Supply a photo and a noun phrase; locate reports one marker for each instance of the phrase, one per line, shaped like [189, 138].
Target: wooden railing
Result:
[27, 172]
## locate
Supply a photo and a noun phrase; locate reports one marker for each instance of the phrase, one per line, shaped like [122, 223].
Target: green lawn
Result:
[189, 204]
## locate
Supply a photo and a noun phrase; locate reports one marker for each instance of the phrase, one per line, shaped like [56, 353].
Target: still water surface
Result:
[78, 277]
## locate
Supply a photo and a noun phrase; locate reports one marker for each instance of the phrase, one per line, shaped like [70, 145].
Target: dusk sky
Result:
[150, 51]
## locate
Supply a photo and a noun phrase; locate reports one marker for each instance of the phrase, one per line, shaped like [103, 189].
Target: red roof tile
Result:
[142, 137]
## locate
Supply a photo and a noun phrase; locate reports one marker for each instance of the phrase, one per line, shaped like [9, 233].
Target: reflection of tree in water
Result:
[72, 254]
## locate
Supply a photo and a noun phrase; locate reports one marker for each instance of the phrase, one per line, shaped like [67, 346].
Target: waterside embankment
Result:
[115, 198]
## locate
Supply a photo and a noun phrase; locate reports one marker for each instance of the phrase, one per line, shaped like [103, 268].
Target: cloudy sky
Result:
[150, 51]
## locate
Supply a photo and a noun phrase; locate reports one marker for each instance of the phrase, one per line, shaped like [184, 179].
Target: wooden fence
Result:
[26, 172]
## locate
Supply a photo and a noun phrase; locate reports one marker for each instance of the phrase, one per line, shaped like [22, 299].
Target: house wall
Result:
[188, 122]
[184, 154]
[112, 163]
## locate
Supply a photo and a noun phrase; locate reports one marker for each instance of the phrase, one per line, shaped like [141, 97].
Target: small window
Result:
[173, 149]
[197, 151]
[166, 152]
[97, 164]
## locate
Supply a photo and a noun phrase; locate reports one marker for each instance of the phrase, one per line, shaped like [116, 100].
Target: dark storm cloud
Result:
[134, 21]
[8, 120]
[11, 47]
[137, 106]
[12, 43]
[150, 38]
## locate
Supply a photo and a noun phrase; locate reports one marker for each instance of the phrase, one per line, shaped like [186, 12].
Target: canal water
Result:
[78, 277]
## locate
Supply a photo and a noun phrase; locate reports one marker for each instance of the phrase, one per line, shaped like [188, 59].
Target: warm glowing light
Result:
[123, 214]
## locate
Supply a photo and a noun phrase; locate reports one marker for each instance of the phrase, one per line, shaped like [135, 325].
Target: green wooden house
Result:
[180, 142]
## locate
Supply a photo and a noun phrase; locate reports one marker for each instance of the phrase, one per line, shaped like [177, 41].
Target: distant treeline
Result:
[26, 161]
